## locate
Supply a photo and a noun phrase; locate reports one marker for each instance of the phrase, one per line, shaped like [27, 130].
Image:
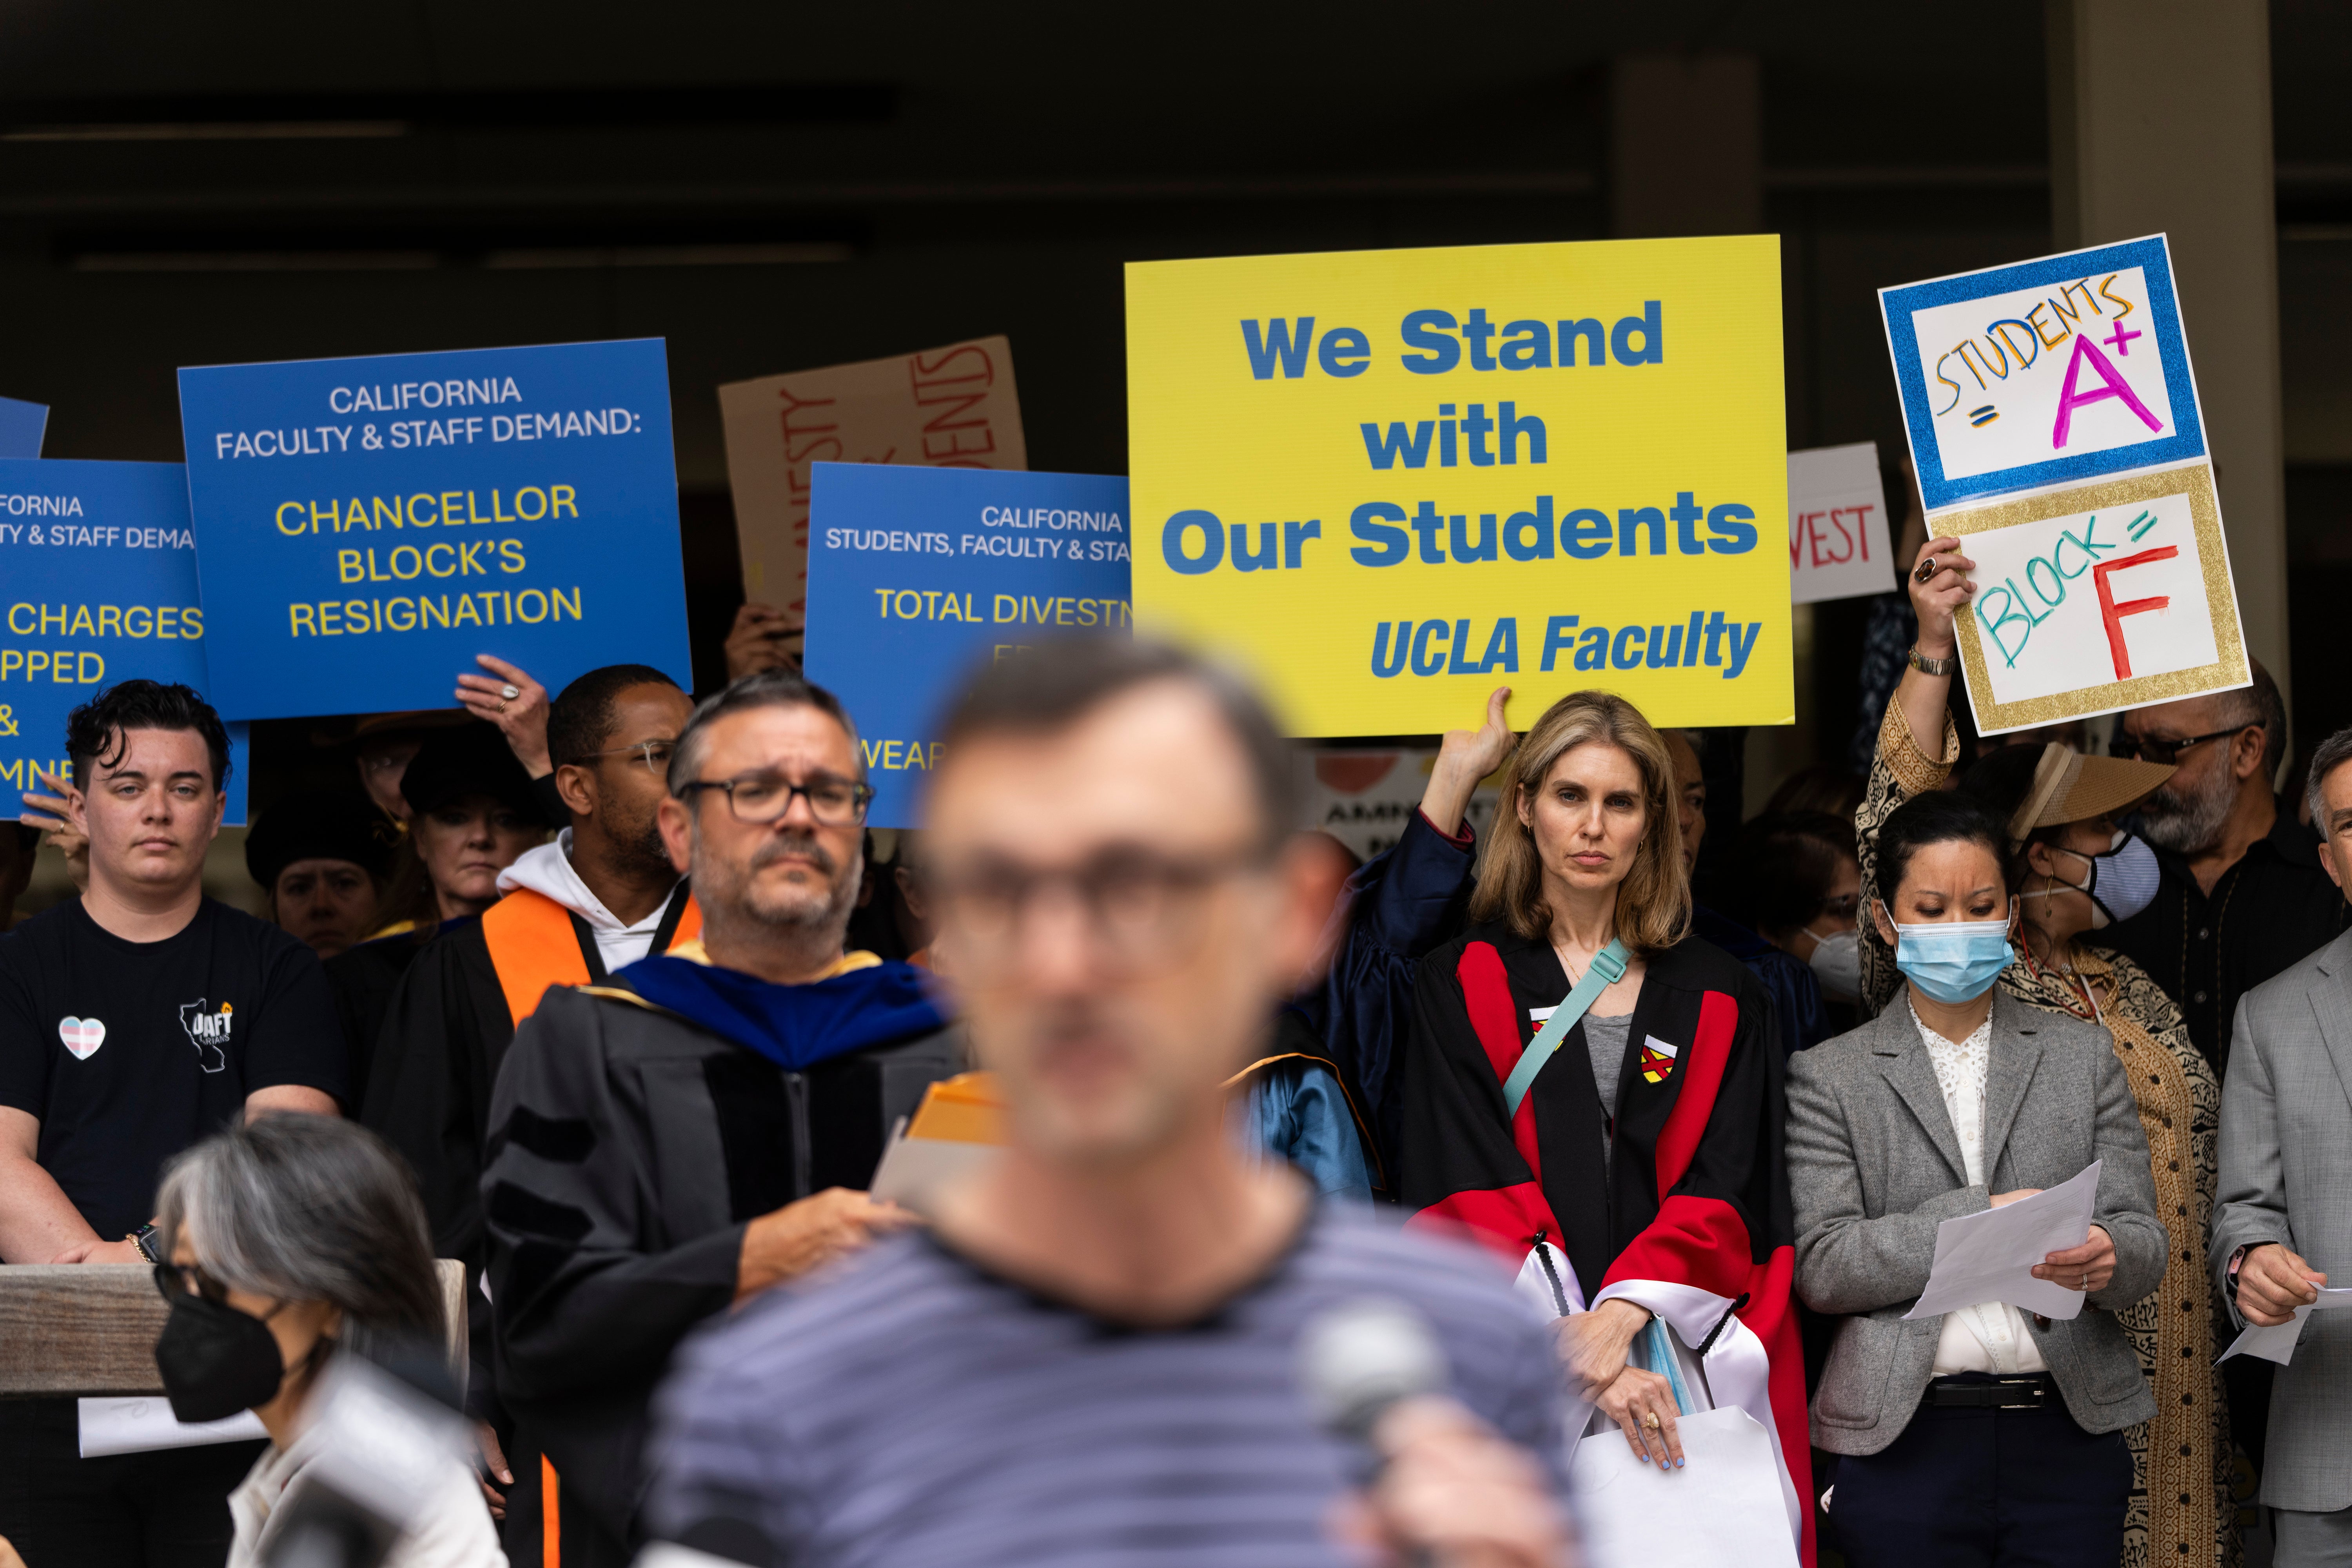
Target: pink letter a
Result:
[2070, 400]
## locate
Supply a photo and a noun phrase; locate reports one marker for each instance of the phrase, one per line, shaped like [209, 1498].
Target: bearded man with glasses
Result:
[2243, 896]
[700, 1125]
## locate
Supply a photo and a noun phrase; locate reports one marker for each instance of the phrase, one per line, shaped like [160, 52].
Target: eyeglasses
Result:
[758, 799]
[177, 1279]
[2165, 752]
[1138, 906]
[654, 755]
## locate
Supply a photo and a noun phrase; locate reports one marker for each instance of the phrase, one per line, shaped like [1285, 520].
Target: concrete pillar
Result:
[2161, 121]
[1686, 157]
[1685, 146]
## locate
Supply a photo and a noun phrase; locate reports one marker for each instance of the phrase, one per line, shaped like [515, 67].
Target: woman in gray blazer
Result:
[1984, 1436]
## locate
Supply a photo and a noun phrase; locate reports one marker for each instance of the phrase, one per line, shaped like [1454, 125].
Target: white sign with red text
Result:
[1837, 524]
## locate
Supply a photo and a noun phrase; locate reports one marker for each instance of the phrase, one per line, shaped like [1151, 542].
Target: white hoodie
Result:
[548, 871]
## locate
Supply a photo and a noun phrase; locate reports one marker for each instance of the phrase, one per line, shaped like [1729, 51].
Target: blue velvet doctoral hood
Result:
[795, 1027]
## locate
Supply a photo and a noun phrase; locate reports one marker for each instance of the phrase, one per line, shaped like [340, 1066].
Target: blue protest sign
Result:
[21, 425]
[366, 527]
[98, 572]
[915, 574]
[2050, 371]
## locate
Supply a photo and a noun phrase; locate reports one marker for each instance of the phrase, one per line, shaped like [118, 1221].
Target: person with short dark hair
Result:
[311, 1229]
[1093, 1354]
[1983, 1437]
[321, 858]
[2243, 894]
[700, 1125]
[598, 899]
[135, 1020]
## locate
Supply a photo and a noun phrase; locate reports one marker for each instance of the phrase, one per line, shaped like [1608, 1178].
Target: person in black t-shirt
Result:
[134, 1021]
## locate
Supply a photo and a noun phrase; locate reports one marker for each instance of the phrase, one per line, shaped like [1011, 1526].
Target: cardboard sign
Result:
[1389, 480]
[917, 574]
[98, 574]
[2064, 385]
[366, 526]
[1837, 525]
[21, 425]
[952, 408]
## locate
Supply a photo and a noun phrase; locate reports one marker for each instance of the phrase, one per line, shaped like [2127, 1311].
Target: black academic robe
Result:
[442, 1032]
[363, 978]
[633, 1147]
[1693, 1195]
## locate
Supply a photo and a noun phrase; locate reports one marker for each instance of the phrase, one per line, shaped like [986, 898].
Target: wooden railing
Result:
[88, 1328]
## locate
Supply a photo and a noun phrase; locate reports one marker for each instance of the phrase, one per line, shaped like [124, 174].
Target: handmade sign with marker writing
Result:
[98, 584]
[2052, 417]
[1837, 524]
[1388, 482]
[951, 407]
[916, 574]
[366, 527]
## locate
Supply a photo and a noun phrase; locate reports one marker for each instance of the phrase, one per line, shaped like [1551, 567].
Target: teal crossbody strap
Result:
[1608, 968]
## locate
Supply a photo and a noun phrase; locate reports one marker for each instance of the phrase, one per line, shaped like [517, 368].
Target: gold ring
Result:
[502, 704]
[1651, 1421]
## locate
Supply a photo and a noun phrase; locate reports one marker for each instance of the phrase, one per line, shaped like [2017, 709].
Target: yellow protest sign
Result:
[1387, 481]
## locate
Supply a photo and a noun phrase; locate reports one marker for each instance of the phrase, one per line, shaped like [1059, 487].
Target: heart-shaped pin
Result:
[82, 1036]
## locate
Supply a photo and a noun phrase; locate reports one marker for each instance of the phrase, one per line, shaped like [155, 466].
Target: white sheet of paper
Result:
[2277, 1343]
[915, 1169]
[1837, 524]
[1987, 1256]
[1725, 1502]
[145, 1422]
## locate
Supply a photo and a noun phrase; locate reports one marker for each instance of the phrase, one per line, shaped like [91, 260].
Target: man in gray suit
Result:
[2283, 1221]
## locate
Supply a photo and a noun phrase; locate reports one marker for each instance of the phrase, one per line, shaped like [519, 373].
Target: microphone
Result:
[384, 1447]
[1357, 1360]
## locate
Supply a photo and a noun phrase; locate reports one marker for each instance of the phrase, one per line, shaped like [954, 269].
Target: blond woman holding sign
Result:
[2077, 872]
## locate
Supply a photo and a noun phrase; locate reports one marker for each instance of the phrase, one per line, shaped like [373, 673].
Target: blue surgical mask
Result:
[2122, 882]
[1953, 960]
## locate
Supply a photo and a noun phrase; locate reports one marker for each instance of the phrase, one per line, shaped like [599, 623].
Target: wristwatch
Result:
[1926, 666]
[143, 1238]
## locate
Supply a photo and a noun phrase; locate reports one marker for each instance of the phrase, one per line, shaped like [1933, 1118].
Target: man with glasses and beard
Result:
[699, 1127]
[2243, 895]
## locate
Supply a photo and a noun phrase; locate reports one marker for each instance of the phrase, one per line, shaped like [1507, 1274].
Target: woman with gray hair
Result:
[293, 1239]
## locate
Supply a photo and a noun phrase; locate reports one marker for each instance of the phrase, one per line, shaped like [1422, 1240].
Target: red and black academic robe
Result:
[1690, 1217]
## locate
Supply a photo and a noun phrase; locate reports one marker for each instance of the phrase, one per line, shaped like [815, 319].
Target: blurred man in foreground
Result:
[1094, 1357]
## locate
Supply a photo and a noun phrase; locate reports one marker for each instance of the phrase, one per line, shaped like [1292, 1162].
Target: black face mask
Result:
[215, 1359]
